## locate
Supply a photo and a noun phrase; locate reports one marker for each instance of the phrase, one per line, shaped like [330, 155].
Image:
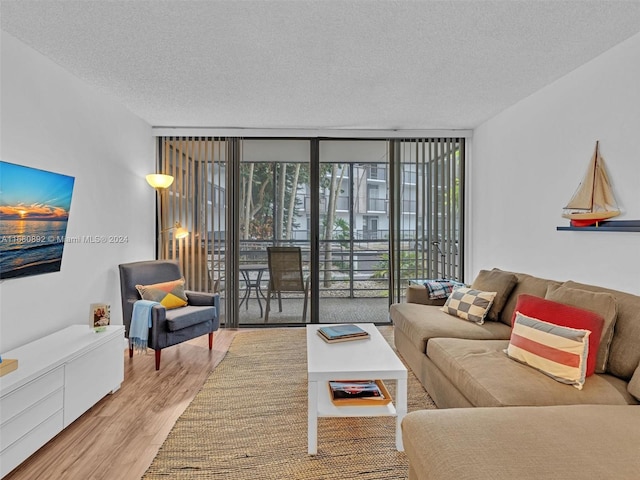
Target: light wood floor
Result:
[119, 437]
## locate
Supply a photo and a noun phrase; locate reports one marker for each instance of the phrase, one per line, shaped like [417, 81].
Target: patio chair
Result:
[285, 275]
[169, 326]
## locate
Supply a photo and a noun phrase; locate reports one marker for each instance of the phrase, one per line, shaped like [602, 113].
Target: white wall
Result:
[53, 121]
[527, 162]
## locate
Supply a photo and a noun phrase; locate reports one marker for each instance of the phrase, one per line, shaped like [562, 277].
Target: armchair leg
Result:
[158, 359]
[210, 340]
[130, 351]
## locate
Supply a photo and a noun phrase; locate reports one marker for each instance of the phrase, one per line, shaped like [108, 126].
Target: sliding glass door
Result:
[353, 252]
[273, 212]
[366, 215]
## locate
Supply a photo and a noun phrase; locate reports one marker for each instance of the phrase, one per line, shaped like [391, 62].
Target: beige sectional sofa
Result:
[463, 364]
[567, 442]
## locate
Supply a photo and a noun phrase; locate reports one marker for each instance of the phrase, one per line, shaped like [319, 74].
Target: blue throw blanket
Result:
[140, 325]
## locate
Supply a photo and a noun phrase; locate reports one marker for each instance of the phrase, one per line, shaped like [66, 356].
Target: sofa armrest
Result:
[158, 322]
[204, 299]
[420, 294]
[200, 299]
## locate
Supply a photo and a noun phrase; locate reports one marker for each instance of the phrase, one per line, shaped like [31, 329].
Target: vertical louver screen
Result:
[429, 214]
[195, 200]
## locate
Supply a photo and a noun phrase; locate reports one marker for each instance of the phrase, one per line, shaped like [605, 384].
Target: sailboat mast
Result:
[595, 169]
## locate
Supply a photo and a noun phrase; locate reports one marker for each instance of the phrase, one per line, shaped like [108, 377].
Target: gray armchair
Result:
[168, 327]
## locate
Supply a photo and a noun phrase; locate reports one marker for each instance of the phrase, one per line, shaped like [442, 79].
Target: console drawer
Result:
[30, 418]
[15, 454]
[26, 396]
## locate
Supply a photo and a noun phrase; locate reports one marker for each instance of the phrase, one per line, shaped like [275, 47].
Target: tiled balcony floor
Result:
[332, 310]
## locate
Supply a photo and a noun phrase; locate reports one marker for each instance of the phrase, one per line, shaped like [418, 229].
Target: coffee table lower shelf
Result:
[320, 406]
[326, 408]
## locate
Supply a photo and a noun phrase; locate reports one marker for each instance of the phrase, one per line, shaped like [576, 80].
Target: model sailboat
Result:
[594, 200]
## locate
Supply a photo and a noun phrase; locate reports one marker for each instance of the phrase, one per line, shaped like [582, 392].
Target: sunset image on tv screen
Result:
[34, 211]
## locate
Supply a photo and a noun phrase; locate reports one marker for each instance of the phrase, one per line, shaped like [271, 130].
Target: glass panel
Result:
[354, 225]
[274, 207]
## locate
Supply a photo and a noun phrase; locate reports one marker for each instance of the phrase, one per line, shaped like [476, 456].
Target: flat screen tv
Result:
[34, 211]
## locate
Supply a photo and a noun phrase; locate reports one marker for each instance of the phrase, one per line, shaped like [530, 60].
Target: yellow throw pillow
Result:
[169, 294]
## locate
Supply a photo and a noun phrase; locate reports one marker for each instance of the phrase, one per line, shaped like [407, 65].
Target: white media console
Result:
[59, 377]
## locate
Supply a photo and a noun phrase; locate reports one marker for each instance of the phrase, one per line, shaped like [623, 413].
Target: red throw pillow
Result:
[565, 316]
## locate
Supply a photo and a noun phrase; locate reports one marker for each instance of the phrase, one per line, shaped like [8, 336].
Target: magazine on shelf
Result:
[341, 333]
[358, 392]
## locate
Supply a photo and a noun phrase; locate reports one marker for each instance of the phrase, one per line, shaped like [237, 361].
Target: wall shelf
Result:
[607, 226]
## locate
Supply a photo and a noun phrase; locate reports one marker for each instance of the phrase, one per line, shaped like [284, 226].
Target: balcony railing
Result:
[376, 204]
[359, 268]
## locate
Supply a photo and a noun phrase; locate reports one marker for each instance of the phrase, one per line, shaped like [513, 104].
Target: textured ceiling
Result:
[320, 64]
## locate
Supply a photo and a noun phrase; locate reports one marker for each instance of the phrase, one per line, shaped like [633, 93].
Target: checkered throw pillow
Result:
[468, 304]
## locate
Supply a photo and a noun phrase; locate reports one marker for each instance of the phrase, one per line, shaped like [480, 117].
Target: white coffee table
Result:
[368, 359]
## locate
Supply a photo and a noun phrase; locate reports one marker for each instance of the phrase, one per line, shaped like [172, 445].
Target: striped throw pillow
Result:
[559, 352]
[469, 304]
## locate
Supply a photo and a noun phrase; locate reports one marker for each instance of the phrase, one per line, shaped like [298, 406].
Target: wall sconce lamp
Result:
[179, 233]
[159, 180]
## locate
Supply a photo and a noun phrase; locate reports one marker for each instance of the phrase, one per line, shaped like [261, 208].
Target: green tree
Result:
[333, 183]
[263, 187]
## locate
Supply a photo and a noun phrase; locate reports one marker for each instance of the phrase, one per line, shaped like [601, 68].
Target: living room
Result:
[525, 160]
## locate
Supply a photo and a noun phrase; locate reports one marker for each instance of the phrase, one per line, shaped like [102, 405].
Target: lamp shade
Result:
[180, 232]
[159, 180]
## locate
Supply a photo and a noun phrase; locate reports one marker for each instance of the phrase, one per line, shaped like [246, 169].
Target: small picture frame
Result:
[99, 316]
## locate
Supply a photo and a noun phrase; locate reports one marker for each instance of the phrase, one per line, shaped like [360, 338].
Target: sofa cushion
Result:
[469, 304]
[481, 371]
[559, 352]
[526, 284]
[599, 302]
[495, 281]
[169, 294]
[624, 354]
[419, 323]
[566, 316]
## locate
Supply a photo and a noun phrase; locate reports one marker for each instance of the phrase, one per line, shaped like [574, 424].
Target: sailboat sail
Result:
[594, 199]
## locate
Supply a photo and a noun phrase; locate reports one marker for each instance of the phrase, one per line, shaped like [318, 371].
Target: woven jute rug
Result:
[249, 421]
